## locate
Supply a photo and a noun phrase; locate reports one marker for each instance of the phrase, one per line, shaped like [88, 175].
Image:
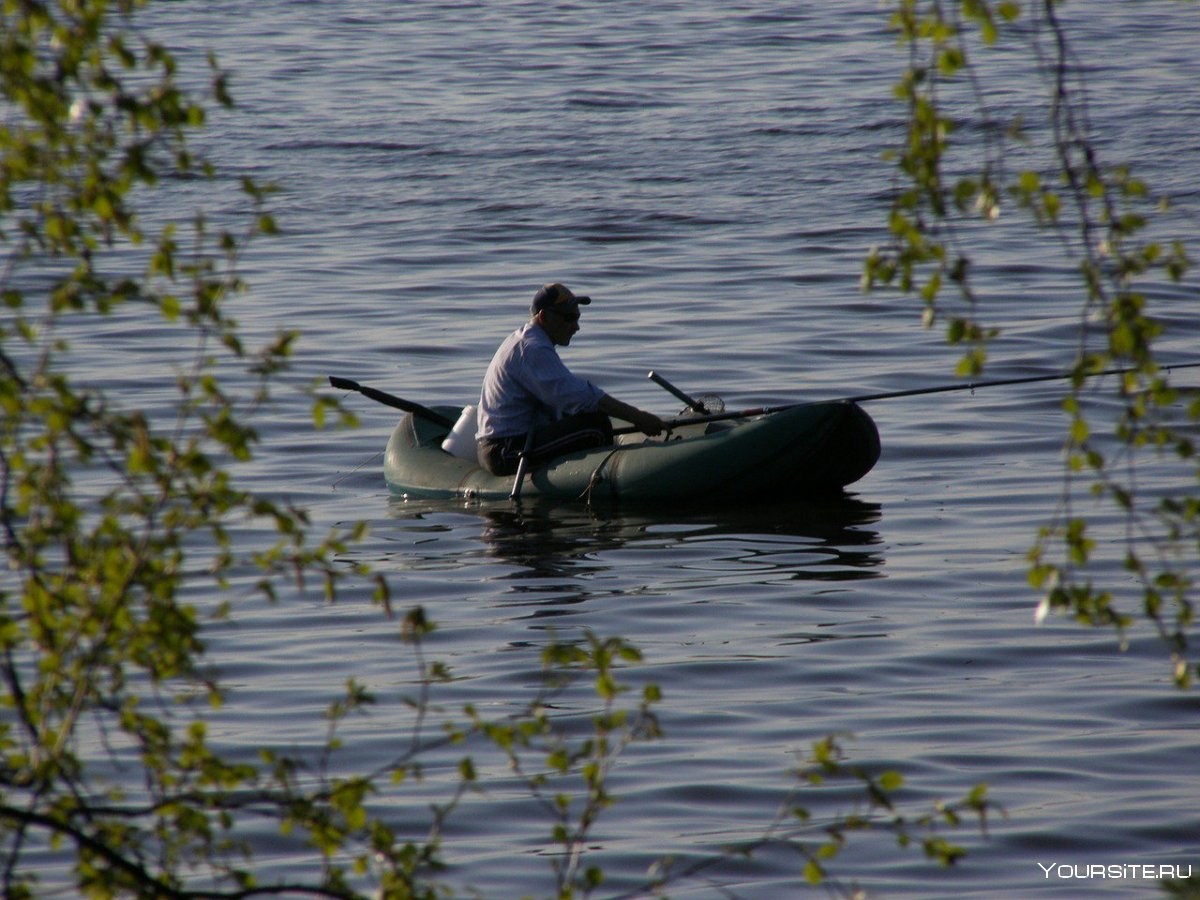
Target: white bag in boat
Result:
[460, 441]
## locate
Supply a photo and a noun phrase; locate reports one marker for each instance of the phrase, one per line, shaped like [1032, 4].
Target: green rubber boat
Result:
[807, 450]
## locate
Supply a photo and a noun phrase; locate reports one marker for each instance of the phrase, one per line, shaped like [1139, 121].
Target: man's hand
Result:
[649, 423]
[645, 422]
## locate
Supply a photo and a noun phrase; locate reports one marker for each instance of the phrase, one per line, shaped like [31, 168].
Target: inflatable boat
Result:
[803, 451]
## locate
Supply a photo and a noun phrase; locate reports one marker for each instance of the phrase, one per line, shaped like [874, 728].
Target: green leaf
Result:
[813, 873]
[1009, 10]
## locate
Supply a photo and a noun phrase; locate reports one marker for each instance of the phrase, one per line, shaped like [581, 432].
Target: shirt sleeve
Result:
[556, 387]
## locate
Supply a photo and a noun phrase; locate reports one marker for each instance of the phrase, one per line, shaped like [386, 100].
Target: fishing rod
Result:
[998, 382]
[887, 395]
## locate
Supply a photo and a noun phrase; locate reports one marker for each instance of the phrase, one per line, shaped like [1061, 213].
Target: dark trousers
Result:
[582, 431]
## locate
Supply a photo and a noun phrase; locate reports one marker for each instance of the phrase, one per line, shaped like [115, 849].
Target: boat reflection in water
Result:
[551, 557]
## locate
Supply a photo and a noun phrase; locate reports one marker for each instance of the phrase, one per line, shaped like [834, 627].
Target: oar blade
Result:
[345, 384]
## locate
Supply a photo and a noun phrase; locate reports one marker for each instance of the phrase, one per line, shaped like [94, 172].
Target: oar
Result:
[345, 384]
[890, 395]
[522, 465]
[666, 385]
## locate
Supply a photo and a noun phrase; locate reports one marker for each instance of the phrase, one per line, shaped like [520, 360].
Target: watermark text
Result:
[1116, 870]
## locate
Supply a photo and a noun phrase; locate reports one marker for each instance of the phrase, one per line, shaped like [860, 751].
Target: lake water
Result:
[711, 174]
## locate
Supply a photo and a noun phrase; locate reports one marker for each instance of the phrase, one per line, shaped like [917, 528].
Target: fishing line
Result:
[343, 477]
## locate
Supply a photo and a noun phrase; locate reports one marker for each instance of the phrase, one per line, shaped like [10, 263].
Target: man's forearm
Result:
[611, 406]
[646, 422]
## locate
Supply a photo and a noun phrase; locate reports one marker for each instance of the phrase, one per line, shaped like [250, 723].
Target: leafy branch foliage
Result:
[113, 516]
[816, 841]
[957, 175]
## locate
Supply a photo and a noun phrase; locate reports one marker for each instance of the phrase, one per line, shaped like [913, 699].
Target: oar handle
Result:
[692, 402]
[345, 384]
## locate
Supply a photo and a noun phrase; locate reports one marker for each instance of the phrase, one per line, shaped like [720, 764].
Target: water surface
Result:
[712, 175]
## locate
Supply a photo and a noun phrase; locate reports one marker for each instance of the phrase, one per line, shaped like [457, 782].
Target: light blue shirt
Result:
[527, 381]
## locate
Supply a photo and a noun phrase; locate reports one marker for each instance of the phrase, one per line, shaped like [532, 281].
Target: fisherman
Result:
[528, 388]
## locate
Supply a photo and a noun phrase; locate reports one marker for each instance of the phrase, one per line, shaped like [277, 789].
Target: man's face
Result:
[560, 322]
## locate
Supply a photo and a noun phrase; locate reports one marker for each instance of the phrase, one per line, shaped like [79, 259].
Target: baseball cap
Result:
[551, 296]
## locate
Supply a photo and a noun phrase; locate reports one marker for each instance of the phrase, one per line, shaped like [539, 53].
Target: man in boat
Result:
[529, 388]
